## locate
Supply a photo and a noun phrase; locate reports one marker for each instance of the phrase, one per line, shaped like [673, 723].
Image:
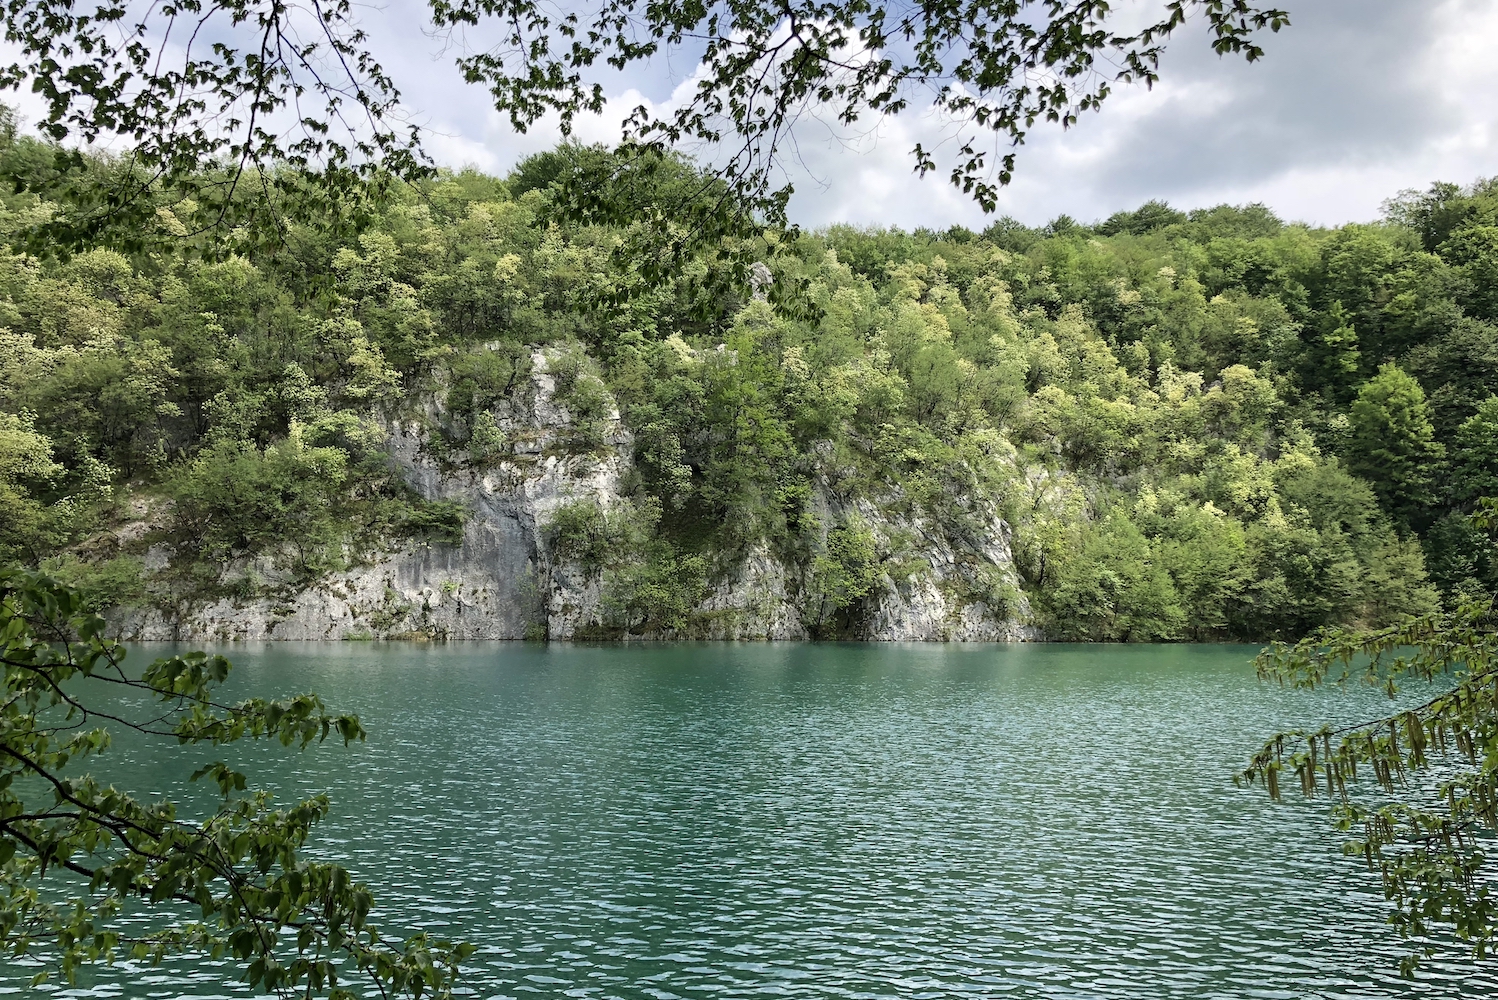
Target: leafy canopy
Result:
[247, 104]
[1392, 442]
[232, 884]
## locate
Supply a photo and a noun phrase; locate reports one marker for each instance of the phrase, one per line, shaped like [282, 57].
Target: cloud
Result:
[1359, 99]
[1345, 87]
[1356, 100]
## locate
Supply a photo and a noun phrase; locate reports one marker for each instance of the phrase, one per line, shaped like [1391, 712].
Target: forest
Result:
[1205, 425]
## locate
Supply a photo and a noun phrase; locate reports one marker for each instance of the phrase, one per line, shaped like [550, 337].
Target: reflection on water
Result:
[825, 821]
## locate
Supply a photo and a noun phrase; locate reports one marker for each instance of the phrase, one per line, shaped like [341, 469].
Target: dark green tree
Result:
[1391, 443]
[1443, 208]
[1458, 370]
[1329, 358]
[1474, 455]
[1461, 559]
[1147, 218]
[1474, 252]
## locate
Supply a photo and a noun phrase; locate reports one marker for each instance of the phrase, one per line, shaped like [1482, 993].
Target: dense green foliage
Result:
[78, 856]
[1199, 425]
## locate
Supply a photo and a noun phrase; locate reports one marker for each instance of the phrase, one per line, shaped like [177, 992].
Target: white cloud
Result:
[1358, 99]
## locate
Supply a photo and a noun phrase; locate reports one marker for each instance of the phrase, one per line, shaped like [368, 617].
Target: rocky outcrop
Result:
[962, 590]
[502, 581]
[495, 584]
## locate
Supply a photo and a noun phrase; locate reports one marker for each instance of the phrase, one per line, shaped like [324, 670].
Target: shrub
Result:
[235, 499]
[843, 574]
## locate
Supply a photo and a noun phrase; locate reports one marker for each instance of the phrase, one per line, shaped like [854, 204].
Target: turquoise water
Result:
[853, 821]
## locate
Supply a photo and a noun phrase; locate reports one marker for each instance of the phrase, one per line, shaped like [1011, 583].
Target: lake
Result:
[798, 820]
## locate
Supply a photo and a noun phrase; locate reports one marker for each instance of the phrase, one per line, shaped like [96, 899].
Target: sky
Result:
[1355, 101]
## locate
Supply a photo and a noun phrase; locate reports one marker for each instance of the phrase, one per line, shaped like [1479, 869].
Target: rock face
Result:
[502, 582]
[952, 597]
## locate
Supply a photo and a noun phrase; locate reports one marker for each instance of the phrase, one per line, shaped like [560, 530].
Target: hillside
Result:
[477, 416]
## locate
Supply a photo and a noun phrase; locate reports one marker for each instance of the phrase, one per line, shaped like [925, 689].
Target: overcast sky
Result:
[1355, 101]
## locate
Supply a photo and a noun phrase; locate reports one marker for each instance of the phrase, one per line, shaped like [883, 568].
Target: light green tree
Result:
[25, 465]
[843, 574]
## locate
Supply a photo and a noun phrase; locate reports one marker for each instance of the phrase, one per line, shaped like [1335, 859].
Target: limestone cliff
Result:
[504, 581]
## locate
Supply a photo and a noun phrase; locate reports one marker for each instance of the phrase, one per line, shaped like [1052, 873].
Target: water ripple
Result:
[723, 821]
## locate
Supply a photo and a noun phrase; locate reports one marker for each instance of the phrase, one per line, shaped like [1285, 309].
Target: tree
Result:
[1150, 216]
[842, 575]
[1392, 443]
[25, 460]
[1458, 370]
[1329, 355]
[1443, 208]
[1462, 559]
[1475, 455]
[1432, 762]
[233, 883]
[1474, 251]
[234, 499]
[1114, 588]
[286, 107]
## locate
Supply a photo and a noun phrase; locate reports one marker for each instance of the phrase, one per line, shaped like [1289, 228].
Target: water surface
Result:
[859, 821]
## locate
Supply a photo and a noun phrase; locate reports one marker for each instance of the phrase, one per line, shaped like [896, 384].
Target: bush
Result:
[113, 583]
[658, 595]
[1115, 589]
[842, 576]
[439, 521]
[583, 532]
[235, 499]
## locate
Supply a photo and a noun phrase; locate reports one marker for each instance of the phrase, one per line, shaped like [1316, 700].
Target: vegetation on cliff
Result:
[1202, 425]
